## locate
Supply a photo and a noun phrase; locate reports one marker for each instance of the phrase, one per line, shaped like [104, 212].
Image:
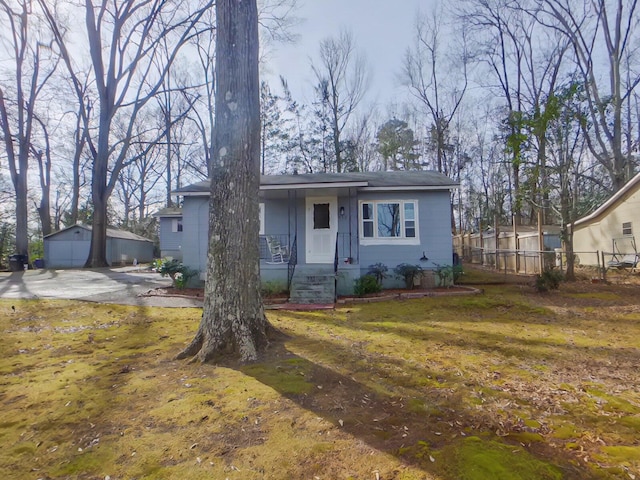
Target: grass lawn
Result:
[510, 384]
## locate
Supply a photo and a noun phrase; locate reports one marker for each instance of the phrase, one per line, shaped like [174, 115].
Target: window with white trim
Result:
[176, 225]
[627, 229]
[389, 221]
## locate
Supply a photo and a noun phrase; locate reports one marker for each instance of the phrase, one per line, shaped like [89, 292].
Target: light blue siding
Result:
[70, 249]
[121, 250]
[195, 232]
[170, 241]
[285, 217]
[434, 225]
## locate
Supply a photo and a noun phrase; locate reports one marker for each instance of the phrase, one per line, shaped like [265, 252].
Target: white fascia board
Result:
[603, 208]
[302, 186]
[408, 188]
[193, 194]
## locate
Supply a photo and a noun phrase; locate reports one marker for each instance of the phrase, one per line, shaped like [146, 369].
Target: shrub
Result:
[408, 273]
[549, 280]
[272, 287]
[448, 275]
[445, 275]
[180, 274]
[36, 249]
[378, 270]
[366, 284]
[457, 272]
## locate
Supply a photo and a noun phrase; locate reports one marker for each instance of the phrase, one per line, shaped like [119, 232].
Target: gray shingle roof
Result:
[169, 212]
[391, 180]
[111, 232]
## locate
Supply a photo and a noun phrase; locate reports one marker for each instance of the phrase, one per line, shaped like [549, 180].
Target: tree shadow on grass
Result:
[380, 401]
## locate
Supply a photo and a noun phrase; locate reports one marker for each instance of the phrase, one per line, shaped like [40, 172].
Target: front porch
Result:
[309, 282]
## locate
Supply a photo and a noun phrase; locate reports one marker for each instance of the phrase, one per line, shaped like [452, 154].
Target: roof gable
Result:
[616, 199]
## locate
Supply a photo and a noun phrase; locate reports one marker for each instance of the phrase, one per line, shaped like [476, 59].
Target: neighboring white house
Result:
[69, 247]
[612, 227]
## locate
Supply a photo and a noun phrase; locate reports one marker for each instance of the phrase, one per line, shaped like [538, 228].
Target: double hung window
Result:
[389, 221]
[176, 225]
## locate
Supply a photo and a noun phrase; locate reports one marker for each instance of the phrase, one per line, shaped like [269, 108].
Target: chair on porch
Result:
[278, 252]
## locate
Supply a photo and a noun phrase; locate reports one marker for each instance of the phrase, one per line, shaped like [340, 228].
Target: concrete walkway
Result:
[122, 285]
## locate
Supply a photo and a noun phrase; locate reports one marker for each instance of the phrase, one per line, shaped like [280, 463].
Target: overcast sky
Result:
[382, 30]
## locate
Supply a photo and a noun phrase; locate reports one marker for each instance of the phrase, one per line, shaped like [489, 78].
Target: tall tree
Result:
[497, 24]
[603, 30]
[362, 132]
[426, 66]
[562, 119]
[233, 319]
[43, 156]
[29, 74]
[397, 146]
[274, 133]
[342, 73]
[123, 40]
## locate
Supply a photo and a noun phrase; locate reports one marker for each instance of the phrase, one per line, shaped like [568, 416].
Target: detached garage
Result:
[69, 248]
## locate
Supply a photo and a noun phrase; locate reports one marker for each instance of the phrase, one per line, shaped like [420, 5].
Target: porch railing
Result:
[347, 247]
[293, 260]
[277, 238]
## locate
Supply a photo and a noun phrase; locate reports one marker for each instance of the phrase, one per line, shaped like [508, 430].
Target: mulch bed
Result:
[282, 299]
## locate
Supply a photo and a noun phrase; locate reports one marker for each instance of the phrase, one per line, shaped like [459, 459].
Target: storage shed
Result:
[69, 248]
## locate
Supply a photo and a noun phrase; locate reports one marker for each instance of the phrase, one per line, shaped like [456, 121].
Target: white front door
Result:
[322, 227]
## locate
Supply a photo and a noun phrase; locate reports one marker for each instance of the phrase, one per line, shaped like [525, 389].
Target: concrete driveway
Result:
[106, 285]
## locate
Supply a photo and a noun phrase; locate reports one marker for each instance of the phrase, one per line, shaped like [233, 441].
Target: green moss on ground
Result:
[474, 458]
[92, 390]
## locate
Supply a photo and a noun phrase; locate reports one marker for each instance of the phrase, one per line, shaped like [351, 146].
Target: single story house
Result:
[333, 226]
[69, 247]
[170, 232]
[610, 228]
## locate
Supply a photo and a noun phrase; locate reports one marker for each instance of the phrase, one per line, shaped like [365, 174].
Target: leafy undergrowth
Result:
[506, 385]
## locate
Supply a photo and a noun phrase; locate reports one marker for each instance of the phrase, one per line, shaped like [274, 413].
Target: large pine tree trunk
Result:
[233, 320]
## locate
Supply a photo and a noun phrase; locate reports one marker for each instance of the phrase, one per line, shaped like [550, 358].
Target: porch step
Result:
[313, 285]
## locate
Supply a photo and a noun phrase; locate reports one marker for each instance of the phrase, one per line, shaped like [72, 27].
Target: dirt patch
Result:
[404, 294]
[175, 292]
[282, 298]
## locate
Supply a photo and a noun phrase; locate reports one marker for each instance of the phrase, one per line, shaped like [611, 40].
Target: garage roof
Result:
[111, 233]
